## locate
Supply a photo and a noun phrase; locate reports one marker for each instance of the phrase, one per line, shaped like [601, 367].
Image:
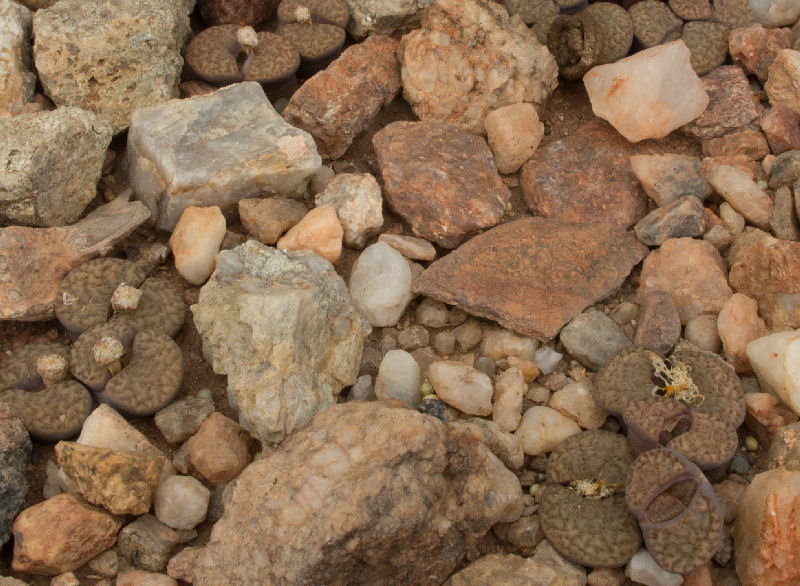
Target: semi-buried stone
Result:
[462, 386]
[190, 152]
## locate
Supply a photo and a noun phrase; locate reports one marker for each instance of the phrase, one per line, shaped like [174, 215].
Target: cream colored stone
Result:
[738, 325]
[776, 362]
[575, 400]
[409, 246]
[509, 388]
[195, 242]
[461, 386]
[742, 194]
[356, 197]
[319, 231]
[543, 428]
[513, 132]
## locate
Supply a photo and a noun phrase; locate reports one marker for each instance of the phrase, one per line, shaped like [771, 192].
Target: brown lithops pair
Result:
[316, 29]
[34, 382]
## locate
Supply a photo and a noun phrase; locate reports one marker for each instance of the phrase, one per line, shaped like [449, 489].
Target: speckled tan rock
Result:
[17, 80]
[34, 260]
[440, 179]
[195, 242]
[267, 219]
[783, 80]
[220, 449]
[469, 58]
[361, 473]
[111, 58]
[337, 104]
[356, 197]
[319, 230]
[60, 535]
[738, 325]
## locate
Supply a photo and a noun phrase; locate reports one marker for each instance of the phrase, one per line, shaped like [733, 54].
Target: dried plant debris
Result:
[159, 307]
[705, 438]
[575, 40]
[333, 12]
[582, 509]
[32, 383]
[699, 380]
[136, 373]
[678, 512]
[84, 297]
[654, 23]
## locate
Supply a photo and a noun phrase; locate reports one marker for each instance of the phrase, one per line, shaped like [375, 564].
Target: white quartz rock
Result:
[380, 284]
[776, 362]
[462, 386]
[181, 502]
[399, 378]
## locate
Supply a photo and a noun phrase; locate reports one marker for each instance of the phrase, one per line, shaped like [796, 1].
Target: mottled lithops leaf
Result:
[616, 27]
[597, 532]
[322, 11]
[84, 297]
[627, 376]
[593, 454]
[18, 369]
[84, 363]
[718, 384]
[655, 421]
[53, 413]
[575, 58]
[678, 513]
[582, 510]
[160, 309]
[710, 442]
[150, 379]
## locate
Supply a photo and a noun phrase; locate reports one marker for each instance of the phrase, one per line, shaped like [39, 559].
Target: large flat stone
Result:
[215, 149]
[533, 275]
[586, 177]
[440, 179]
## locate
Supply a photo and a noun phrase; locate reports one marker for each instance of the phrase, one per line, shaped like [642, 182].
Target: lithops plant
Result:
[700, 380]
[320, 11]
[691, 9]
[576, 43]
[571, 6]
[616, 29]
[136, 373]
[228, 54]
[537, 14]
[156, 306]
[654, 23]
[582, 508]
[84, 296]
[239, 12]
[733, 13]
[708, 44]
[315, 30]
[678, 512]
[34, 383]
[705, 438]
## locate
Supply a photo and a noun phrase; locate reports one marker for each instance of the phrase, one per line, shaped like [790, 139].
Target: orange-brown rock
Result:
[319, 230]
[533, 275]
[220, 449]
[60, 535]
[440, 179]
[738, 324]
[559, 183]
[765, 417]
[767, 532]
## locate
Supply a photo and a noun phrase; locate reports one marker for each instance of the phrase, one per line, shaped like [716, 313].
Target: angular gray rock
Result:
[193, 152]
[593, 338]
[50, 163]
[34, 260]
[17, 80]
[15, 449]
[366, 494]
[282, 327]
[111, 57]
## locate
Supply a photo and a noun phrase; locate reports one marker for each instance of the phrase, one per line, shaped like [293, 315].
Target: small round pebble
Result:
[739, 464]
[181, 502]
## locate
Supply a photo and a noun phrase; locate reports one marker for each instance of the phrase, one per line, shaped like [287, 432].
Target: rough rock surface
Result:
[557, 183]
[60, 535]
[281, 326]
[219, 450]
[148, 543]
[356, 197]
[755, 47]
[193, 152]
[111, 58]
[34, 260]
[692, 272]
[503, 569]
[767, 535]
[668, 177]
[267, 219]
[498, 60]
[338, 103]
[514, 273]
[366, 493]
[15, 449]
[17, 81]
[783, 82]
[768, 270]
[440, 179]
[383, 17]
[50, 163]
[731, 106]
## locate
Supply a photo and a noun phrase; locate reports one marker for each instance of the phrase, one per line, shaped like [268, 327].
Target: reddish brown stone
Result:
[220, 449]
[241, 12]
[765, 416]
[586, 177]
[60, 535]
[748, 142]
[533, 275]
[440, 179]
[659, 325]
[731, 105]
[339, 102]
[768, 270]
[782, 129]
[755, 48]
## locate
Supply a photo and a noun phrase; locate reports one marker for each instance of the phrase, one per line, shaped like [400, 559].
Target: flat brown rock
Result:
[533, 275]
[586, 177]
[440, 179]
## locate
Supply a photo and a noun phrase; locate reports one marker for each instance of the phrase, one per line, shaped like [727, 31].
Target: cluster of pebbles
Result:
[581, 36]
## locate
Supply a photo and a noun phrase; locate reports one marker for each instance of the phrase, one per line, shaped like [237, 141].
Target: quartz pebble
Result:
[356, 197]
[507, 404]
[783, 81]
[461, 386]
[380, 284]
[139, 578]
[738, 325]
[776, 361]
[649, 94]
[775, 13]
[643, 569]
[543, 428]
[399, 378]
[431, 313]
[742, 194]
[575, 400]
[498, 343]
[319, 230]
[195, 242]
[547, 359]
[513, 133]
[702, 331]
[362, 389]
[181, 502]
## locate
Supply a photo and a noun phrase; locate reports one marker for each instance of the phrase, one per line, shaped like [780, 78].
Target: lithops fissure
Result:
[678, 512]
[33, 383]
[699, 380]
[159, 308]
[84, 297]
[582, 509]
